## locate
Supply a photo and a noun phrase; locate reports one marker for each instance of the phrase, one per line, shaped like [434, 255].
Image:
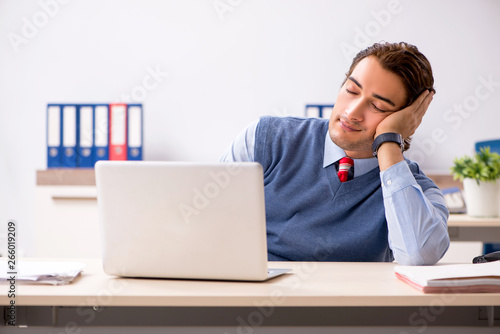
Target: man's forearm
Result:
[416, 220]
[389, 154]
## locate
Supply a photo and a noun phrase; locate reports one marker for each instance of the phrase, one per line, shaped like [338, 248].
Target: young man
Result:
[389, 209]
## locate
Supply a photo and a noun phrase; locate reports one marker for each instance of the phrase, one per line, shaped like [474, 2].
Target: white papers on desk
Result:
[478, 277]
[42, 272]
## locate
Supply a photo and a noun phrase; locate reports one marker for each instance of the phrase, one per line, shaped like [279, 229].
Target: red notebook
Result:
[452, 278]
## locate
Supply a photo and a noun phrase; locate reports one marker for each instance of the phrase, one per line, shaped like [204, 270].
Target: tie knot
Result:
[344, 165]
[346, 161]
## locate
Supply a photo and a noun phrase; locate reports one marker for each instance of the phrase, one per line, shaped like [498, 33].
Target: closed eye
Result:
[350, 91]
[378, 109]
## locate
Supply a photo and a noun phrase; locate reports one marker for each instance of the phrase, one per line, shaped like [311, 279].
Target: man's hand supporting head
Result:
[404, 122]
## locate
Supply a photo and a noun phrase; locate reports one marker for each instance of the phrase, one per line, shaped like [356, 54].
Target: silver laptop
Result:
[183, 220]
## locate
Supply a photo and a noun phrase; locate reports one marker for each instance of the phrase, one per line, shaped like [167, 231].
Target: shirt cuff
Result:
[396, 178]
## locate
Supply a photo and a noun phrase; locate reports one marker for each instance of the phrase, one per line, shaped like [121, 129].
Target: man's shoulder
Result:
[413, 165]
[282, 136]
[419, 175]
[291, 121]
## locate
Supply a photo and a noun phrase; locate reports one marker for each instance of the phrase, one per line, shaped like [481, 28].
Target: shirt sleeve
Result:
[416, 219]
[242, 148]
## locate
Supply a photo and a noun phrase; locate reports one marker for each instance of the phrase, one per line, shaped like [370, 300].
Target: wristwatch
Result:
[387, 137]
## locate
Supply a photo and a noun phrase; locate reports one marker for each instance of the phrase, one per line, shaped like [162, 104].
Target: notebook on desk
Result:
[183, 220]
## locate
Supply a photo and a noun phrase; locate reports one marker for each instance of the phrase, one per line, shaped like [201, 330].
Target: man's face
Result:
[368, 96]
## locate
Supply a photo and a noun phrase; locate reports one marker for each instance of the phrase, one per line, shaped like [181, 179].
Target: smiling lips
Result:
[347, 127]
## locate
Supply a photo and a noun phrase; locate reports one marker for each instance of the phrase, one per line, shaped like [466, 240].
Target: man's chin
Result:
[363, 146]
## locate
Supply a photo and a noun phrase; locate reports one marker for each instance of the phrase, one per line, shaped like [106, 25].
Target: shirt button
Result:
[389, 182]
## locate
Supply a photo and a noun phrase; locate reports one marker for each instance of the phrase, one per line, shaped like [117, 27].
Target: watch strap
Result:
[387, 137]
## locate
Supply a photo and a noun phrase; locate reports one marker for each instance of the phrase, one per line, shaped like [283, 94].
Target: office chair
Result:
[494, 147]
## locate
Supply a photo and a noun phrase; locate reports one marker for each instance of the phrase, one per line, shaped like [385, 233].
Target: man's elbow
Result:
[424, 257]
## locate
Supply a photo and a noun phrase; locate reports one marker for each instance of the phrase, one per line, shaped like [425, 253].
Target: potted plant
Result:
[479, 175]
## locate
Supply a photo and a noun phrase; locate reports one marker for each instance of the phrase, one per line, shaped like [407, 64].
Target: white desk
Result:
[315, 294]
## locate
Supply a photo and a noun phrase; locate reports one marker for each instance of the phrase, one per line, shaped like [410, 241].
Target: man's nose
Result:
[355, 111]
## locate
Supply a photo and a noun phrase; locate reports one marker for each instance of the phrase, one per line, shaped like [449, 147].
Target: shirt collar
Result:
[334, 153]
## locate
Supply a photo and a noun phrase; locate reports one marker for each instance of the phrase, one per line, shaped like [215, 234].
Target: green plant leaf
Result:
[483, 166]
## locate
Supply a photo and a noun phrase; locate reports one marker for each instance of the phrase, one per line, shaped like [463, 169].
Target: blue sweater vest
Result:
[311, 215]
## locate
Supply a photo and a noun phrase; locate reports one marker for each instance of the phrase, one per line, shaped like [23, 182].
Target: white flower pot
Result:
[482, 200]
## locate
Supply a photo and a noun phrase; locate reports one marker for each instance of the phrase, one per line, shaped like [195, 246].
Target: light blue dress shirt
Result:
[416, 220]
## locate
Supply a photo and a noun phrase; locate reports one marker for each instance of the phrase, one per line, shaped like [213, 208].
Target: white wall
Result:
[218, 71]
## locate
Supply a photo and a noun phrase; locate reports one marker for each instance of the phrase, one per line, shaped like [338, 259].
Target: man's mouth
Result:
[346, 126]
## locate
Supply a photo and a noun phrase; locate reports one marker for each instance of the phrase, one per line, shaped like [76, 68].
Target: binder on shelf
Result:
[54, 134]
[326, 111]
[101, 132]
[79, 135]
[312, 111]
[319, 110]
[118, 131]
[134, 133]
[86, 136]
[69, 136]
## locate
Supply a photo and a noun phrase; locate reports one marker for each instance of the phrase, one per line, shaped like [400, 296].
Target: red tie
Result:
[344, 165]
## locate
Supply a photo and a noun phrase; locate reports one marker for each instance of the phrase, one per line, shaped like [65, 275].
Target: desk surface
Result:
[310, 284]
[468, 221]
